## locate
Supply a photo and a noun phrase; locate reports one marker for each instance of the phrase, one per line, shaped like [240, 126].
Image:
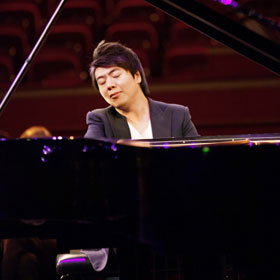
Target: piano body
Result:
[56, 187]
[201, 193]
[206, 195]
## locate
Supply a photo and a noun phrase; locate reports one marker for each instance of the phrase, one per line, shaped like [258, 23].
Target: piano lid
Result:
[250, 27]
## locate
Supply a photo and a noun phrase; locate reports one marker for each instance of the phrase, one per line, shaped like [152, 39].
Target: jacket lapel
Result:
[160, 119]
[118, 124]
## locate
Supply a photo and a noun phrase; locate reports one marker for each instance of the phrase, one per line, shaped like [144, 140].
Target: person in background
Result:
[29, 258]
[36, 132]
[4, 134]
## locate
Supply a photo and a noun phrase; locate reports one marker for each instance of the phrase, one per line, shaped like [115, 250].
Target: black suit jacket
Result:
[167, 120]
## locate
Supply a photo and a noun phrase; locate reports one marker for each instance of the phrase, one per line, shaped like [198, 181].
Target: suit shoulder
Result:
[99, 111]
[169, 106]
[97, 115]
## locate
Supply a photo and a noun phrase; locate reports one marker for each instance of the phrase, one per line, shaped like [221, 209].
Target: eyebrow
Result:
[110, 72]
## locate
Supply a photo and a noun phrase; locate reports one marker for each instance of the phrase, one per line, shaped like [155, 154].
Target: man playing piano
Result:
[117, 73]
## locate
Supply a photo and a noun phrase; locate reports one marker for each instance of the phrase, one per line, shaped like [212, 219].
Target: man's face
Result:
[117, 86]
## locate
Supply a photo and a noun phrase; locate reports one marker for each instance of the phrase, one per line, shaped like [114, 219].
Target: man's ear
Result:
[137, 77]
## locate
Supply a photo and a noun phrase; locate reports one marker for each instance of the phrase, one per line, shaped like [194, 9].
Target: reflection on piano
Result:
[65, 183]
[205, 192]
[206, 195]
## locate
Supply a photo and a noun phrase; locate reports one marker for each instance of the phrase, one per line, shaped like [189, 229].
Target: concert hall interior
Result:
[226, 92]
[219, 58]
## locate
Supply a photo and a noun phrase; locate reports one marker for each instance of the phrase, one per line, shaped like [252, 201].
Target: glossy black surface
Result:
[207, 197]
[66, 187]
[211, 199]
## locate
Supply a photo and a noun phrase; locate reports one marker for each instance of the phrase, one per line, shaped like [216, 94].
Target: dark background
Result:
[226, 93]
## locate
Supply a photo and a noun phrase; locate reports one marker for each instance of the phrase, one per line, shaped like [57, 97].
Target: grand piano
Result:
[205, 195]
[196, 197]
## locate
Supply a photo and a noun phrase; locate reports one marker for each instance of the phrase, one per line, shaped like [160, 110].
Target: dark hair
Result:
[116, 54]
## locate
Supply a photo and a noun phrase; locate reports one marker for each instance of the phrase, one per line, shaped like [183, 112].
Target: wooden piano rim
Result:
[145, 144]
[234, 142]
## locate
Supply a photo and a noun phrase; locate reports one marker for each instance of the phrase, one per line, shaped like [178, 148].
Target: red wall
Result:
[224, 107]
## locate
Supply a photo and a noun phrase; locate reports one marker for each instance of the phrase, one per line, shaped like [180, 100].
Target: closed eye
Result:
[101, 82]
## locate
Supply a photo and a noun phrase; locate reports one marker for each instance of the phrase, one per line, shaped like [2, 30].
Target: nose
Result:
[110, 83]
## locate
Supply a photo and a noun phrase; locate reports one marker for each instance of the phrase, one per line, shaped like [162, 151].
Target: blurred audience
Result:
[36, 132]
[4, 134]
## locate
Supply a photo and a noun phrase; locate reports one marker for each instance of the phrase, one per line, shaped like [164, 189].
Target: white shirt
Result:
[147, 133]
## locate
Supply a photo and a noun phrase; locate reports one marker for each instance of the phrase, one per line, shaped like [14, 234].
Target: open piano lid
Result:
[250, 27]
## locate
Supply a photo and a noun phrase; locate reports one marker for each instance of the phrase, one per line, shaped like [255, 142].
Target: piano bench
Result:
[76, 266]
